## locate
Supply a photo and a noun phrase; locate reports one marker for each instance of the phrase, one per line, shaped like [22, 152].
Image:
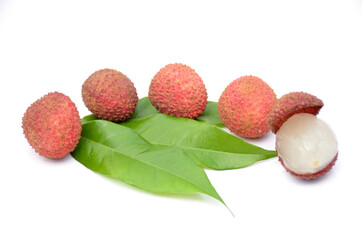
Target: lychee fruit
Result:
[110, 95]
[177, 90]
[52, 125]
[244, 106]
[306, 146]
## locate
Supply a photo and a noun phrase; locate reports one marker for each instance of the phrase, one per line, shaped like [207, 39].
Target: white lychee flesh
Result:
[306, 144]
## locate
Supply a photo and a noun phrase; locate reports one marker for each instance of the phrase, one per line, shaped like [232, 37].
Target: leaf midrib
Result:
[209, 150]
[270, 152]
[147, 163]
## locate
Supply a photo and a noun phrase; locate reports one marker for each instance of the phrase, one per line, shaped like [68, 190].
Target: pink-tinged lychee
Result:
[52, 125]
[306, 146]
[244, 106]
[290, 104]
[110, 95]
[177, 90]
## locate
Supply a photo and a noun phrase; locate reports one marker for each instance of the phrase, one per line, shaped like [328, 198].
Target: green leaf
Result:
[119, 152]
[211, 115]
[208, 145]
[145, 109]
[88, 118]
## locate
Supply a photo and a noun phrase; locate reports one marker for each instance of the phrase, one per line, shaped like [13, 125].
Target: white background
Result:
[313, 46]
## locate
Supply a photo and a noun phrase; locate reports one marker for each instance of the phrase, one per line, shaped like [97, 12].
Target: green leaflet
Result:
[145, 109]
[119, 152]
[161, 153]
[207, 144]
[211, 115]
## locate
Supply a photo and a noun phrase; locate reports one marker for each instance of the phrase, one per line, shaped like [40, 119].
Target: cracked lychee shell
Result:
[290, 104]
[306, 145]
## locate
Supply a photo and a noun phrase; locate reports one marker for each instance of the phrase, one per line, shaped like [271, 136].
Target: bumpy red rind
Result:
[290, 104]
[244, 106]
[52, 125]
[110, 95]
[313, 175]
[177, 90]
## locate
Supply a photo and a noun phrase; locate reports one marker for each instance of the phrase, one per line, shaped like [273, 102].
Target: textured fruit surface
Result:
[52, 125]
[177, 90]
[313, 175]
[306, 146]
[290, 104]
[110, 95]
[244, 106]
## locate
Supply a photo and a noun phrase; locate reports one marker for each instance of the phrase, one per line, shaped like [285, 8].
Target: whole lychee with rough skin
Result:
[177, 90]
[110, 95]
[244, 106]
[306, 146]
[52, 125]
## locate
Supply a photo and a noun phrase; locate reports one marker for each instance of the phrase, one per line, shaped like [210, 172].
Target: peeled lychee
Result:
[177, 90]
[306, 146]
[52, 125]
[110, 95]
[244, 106]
